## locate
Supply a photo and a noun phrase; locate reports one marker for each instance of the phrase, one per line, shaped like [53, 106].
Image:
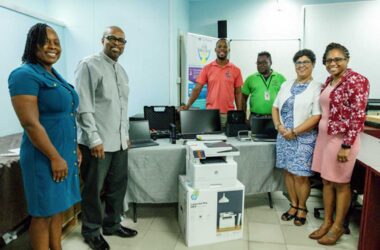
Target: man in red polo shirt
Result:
[224, 83]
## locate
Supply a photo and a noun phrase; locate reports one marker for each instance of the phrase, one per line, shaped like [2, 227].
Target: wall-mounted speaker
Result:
[222, 29]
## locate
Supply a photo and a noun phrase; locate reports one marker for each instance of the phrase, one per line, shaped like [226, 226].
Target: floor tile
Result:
[228, 245]
[159, 230]
[295, 247]
[265, 232]
[159, 240]
[74, 240]
[245, 227]
[142, 224]
[298, 235]
[266, 246]
[165, 224]
[262, 215]
[180, 245]
[117, 242]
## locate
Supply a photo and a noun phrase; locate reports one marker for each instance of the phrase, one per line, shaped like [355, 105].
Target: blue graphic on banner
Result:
[201, 100]
[199, 52]
[194, 73]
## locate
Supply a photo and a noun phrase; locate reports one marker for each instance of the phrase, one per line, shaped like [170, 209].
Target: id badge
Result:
[266, 96]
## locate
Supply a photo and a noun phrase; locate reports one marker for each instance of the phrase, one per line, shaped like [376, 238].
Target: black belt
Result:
[260, 115]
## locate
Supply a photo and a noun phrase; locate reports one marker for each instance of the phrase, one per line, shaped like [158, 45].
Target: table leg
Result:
[134, 205]
[270, 200]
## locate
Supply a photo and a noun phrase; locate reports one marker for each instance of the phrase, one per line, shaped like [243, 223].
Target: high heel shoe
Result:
[332, 236]
[299, 221]
[320, 232]
[287, 216]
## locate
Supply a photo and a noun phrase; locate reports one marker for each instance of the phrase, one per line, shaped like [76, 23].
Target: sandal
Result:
[299, 221]
[287, 216]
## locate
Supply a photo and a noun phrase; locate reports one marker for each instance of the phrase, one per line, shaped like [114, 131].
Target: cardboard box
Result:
[210, 215]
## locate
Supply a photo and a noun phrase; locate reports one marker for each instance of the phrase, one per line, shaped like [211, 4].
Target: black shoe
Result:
[97, 243]
[299, 221]
[287, 216]
[123, 232]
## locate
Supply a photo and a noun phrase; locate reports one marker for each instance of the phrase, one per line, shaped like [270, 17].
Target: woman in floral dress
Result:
[343, 101]
[296, 113]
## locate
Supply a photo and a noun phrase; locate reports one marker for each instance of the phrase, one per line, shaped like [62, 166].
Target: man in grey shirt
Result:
[102, 85]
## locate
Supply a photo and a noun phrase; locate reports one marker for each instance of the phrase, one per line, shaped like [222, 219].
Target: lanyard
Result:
[265, 81]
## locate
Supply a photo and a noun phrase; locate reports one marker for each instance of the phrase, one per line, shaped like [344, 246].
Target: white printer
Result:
[211, 164]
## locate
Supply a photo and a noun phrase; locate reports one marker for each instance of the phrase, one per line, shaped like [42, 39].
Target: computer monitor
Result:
[139, 130]
[262, 127]
[194, 122]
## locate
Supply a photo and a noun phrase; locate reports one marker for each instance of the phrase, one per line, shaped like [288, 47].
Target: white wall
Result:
[179, 25]
[150, 57]
[356, 26]
[14, 28]
[251, 19]
[146, 55]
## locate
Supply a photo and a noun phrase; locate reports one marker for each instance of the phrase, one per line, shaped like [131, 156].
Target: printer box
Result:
[210, 215]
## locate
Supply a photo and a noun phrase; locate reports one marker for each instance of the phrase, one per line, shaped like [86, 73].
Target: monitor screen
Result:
[195, 122]
[263, 126]
[139, 130]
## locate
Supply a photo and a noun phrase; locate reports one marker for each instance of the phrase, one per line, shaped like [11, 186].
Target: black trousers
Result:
[109, 175]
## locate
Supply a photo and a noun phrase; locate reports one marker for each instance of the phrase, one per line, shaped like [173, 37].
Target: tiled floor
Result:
[264, 230]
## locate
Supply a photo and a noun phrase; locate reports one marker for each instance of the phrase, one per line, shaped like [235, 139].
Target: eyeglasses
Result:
[113, 39]
[335, 60]
[302, 63]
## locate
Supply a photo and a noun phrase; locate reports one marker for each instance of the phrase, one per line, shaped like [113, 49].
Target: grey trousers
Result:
[109, 175]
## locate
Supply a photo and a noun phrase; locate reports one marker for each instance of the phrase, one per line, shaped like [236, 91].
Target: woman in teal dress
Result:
[49, 158]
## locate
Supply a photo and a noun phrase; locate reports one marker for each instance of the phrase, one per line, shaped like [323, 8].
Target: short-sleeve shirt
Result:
[221, 83]
[57, 104]
[259, 87]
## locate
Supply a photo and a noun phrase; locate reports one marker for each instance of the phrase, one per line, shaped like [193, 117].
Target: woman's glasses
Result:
[302, 63]
[336, 60]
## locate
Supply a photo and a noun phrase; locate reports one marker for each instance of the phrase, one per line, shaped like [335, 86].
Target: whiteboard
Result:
[14, 28]
[244, 55]
[356, 26]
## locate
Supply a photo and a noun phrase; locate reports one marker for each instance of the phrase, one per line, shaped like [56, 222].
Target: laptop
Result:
[262, 129]
[139, 134]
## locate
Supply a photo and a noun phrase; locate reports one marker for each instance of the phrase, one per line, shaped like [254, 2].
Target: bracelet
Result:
[277, 126]
[345, 146]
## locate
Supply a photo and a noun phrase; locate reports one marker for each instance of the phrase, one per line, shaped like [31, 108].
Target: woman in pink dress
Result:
[343, 101]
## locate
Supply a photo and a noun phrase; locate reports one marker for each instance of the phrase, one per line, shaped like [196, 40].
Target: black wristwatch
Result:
[345, 146]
